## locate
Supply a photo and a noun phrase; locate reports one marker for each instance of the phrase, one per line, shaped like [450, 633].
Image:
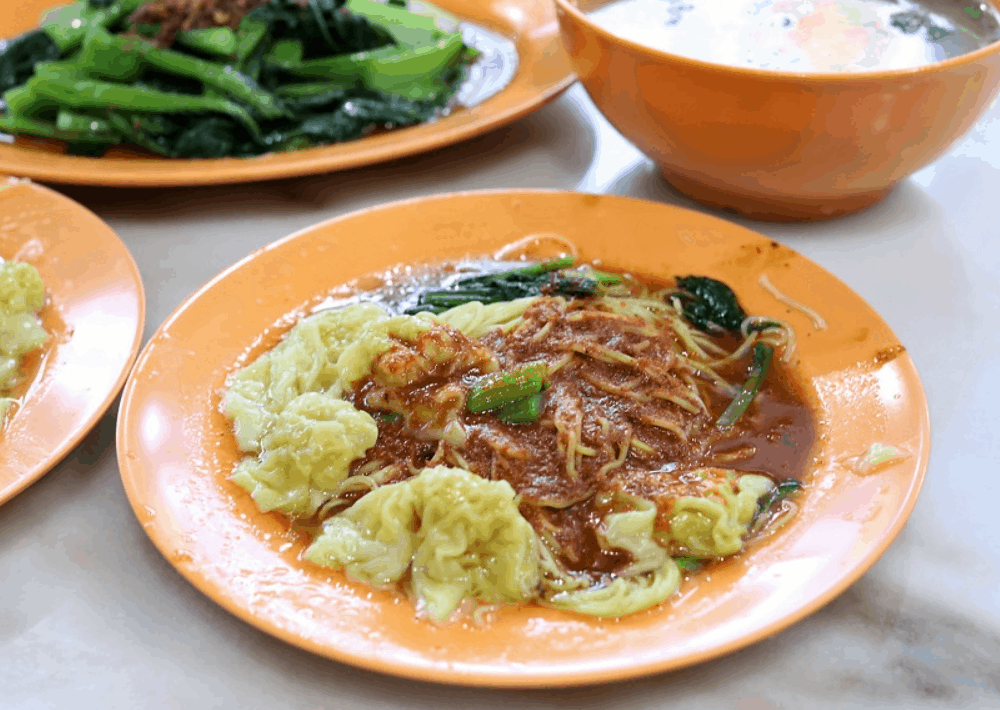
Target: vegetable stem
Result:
[523, 411]
[690, 564]
[504, 388]
[780, 492]
[762, 355]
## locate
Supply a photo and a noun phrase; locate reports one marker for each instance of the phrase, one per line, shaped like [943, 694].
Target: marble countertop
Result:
[91, 615]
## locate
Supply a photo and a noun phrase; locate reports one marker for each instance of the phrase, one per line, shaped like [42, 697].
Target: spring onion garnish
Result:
[504, 388]
[388, 417]
[523, 411]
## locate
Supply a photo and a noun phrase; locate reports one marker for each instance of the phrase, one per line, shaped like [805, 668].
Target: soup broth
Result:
[806, 35]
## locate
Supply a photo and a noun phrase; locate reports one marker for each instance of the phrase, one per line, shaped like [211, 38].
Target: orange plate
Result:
[175, 449]
[543, 73]
[95, 316]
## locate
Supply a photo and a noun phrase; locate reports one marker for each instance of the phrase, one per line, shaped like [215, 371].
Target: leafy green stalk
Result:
[504, 388]
[67, 26]
[407, 28]
[762, 355]
[522, 282]
[123, 57]
[522, 411]
[778, 493]
[690, 564]
[89, 94]
[218, 41]
[45, 129]
[712, 306]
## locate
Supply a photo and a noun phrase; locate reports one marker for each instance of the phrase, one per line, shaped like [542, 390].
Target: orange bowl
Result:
[777, 145]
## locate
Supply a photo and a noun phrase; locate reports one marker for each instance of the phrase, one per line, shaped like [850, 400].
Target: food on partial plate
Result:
[220, 78]
[806, 35]
[496, 433]
[22, 296]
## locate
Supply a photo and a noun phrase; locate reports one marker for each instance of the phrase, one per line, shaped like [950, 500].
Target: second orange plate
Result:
[543, 72]
[176, 450]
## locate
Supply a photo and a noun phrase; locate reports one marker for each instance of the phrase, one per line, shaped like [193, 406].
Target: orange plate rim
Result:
[904, 478]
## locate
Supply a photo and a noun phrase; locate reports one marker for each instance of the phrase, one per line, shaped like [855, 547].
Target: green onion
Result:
[762, 355]
[507, 387]
[523, 411]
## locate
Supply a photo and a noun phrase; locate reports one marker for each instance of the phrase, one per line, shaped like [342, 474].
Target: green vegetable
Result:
[408, 29]
[285, 53]
[88, 94]
[690, 564]
[249, 36]
[779, 493]
[217, 92]
[318, 89]
[45, 129]
[68, 25]
[762, 355]
[712, 306]
[123, 57]
[70, 121]
[19, 56]
[603, 277]
[504, 388]
[220, 41]
[523, 411]
[418, 73]
[527, 281]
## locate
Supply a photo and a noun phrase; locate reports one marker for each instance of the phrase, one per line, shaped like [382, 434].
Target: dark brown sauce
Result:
[778, 427]
[611, 406]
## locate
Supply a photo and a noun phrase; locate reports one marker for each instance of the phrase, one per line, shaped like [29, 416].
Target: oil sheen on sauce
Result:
[806, 35]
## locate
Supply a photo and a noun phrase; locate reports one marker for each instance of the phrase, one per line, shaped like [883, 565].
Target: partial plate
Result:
[176, 450]
[543, 72]
[95, 314]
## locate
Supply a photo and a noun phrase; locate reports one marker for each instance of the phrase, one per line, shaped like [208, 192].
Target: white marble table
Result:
[91, 616]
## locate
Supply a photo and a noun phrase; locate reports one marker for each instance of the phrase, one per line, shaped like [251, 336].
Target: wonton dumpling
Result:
[461, 536]
[322, 353]
[22, 294]
[651, 578]
[306, 454]
[714, 526]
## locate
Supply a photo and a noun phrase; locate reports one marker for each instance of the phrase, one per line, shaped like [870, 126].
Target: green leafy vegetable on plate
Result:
[284, 76]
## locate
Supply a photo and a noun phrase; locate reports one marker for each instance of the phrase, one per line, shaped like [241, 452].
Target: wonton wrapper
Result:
[306, 454]
[461, 537]
[715, 525]
[652, 577]
[325, 352]
[22, 294]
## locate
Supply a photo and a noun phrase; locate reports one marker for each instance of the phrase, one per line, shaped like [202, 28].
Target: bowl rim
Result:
[827, 77]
